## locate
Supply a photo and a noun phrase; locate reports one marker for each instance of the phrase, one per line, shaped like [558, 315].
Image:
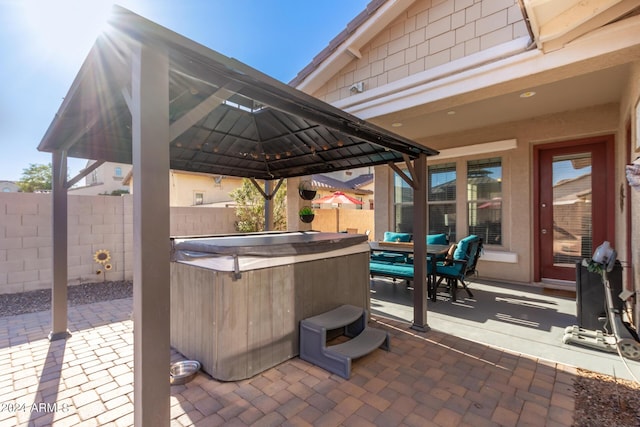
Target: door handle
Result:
[544, 231]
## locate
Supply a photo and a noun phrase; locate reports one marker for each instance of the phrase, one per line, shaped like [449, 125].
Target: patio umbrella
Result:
[339, 198]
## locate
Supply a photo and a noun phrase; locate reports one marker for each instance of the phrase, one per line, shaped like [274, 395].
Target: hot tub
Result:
[236, 301]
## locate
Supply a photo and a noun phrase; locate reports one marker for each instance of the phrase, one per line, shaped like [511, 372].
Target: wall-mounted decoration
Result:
[102, 257]
[306, 214]
[633, 174]
[306, 190]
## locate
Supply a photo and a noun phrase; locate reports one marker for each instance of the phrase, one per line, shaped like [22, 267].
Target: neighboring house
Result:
[357, 183]
[194, 189]
[107, 178]
[197, 189]
[9, 187]
[200, 189]
[521, 98]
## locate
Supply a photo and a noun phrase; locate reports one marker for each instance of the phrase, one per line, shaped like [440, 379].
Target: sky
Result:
[44, 42]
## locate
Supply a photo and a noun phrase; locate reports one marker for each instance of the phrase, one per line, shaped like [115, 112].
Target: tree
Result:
[250, 209]
[36, 177]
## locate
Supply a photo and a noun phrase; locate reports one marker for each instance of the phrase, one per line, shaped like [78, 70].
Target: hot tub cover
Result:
[265, 244]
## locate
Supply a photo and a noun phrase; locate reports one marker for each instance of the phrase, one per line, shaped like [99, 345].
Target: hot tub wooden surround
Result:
[238, 325]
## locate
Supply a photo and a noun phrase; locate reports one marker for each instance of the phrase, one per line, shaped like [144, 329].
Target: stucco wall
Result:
[517, 181]
[95, 222]
[214, 189]
[428, 34]
[103, 180]
[627, 116]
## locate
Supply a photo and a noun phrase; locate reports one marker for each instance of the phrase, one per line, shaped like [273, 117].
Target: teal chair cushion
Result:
[382, 268]
[463, 245]
[437, 239]
[450, 270]
[390, 236]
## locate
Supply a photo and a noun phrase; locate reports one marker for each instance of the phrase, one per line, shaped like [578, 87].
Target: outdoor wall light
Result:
[357, 87]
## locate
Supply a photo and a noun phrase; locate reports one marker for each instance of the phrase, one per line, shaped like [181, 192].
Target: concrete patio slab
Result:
[518, 318]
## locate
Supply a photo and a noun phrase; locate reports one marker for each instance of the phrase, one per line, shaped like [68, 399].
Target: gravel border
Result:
[602, 400]
[86, 293]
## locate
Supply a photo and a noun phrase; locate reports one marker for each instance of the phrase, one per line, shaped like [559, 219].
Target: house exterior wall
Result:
[185, 188]
[95, 222]
[9, 187]
[631, 149]
[511, 261]
[517, 169]
[430, 58]
[105, 179]
[430, 33]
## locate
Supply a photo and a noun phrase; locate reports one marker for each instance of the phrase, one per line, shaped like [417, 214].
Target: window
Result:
[484, 198]
[117, 171]
[198, 199]
[403, 205]
[483, 193]
[441, 198]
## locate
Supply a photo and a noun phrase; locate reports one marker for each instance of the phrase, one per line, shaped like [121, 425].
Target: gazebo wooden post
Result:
[151, 281]
[420, 244]
[60, 244]
[268, 206]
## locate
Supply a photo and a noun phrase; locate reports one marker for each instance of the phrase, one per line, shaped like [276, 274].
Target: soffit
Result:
[554, 23]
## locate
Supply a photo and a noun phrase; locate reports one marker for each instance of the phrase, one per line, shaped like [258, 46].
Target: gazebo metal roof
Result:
[226, 117]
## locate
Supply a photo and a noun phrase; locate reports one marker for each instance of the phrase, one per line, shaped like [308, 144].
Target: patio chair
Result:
[460, 266]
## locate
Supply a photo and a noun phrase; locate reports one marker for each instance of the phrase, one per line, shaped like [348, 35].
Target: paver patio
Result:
[426, 379]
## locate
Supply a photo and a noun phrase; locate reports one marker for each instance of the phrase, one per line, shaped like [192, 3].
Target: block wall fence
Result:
[95, 222]
[106, 222]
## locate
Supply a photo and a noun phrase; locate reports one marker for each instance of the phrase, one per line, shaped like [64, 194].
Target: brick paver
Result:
[426, 379]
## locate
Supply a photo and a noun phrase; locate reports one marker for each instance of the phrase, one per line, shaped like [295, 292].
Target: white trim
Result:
[470, 150]
[488, 56]
[499, 256]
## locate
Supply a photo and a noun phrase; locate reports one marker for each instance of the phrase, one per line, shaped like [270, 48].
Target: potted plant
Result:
[306, 191]
[306, 214]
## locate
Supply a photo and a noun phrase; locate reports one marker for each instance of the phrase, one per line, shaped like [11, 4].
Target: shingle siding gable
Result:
[428, 34]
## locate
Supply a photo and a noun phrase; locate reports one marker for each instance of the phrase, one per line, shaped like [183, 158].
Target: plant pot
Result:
[307, 218]
[307, 194]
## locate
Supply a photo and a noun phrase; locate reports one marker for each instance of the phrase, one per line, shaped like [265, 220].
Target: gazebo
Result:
[153, 98]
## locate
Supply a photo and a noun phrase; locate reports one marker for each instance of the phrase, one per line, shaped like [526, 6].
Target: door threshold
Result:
[558, 286]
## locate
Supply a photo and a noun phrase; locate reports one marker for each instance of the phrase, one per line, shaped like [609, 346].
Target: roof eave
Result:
[346, 46]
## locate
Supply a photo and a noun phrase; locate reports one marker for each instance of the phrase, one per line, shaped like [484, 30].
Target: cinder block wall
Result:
[95, 222]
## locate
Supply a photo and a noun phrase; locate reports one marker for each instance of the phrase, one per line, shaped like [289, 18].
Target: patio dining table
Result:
[434, 253]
